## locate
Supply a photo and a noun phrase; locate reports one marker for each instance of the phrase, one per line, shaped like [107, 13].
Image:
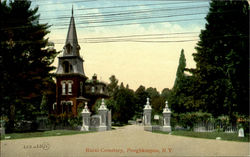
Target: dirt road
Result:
[130, 140]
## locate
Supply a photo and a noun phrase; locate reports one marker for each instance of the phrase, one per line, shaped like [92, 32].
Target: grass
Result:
[209, 135]
[43, 134]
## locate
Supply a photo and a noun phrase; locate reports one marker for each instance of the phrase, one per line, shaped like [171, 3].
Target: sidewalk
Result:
[130, 140]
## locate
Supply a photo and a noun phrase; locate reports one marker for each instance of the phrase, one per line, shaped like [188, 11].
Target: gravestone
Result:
[241, 132]
[166, 119]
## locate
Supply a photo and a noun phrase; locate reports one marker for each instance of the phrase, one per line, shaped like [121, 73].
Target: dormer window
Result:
[68, 48]
[67, 67]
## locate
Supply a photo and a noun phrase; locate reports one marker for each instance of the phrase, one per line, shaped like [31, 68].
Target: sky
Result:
[138, 41]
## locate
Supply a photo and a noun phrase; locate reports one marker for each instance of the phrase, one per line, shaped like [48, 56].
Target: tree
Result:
[178, 93]
[180, 70]
[222, 59]
[125, 103]
[165, 93]
[26, 58]
[157, 102]
[113, 85]
[141, 98]
[153, 93]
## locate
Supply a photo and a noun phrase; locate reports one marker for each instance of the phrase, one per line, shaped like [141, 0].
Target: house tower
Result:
[70, 76]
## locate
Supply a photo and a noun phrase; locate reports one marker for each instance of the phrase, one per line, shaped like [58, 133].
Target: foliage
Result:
[219, 83]
[165, 93]
[122, 102]
[189, 119]
[23, 44]
[182, 96]
[222, 59]
[113, 85]
[124, 106]
[141, 97]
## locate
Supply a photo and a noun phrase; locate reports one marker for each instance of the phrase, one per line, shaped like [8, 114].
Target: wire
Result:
[122, 6]
[82, 1]
[94, 15]
[111, 25]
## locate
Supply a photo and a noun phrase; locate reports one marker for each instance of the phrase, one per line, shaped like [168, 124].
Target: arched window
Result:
[66, 67]
[70, 88]
[63, 88]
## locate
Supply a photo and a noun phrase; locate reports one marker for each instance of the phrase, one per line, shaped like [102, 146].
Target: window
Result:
[63, 88]
[66, 67]
[101, 90]
[54, 106]
[70, 88]
[92, 89]
[81, 88]
[63, 103]
[68, 48]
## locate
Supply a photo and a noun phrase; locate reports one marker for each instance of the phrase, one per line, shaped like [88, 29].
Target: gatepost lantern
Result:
[103, 112]
[147, 116]
[166, 119]
[85, 118]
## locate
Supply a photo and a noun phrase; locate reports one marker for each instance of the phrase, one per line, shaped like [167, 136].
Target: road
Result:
[130, 140]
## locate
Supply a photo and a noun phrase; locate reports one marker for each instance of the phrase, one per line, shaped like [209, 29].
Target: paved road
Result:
[126, 141]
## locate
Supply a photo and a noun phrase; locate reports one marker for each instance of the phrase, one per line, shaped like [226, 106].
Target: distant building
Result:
[72, 85]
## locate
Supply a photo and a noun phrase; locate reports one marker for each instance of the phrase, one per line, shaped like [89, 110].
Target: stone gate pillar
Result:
[166, 119]
[103, 112]
[85, 118]
[147, 116]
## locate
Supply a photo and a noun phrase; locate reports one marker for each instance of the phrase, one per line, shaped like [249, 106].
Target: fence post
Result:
[85, 118]
[166, 119]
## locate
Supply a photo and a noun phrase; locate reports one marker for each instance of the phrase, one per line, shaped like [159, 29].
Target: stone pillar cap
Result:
[86, 109]
[147, 106]
[166, 109]
[103, 106]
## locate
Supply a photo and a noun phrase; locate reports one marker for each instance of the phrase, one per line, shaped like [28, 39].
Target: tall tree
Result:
[180, 69]
[25, 61]
[178, 92]
[222, 58]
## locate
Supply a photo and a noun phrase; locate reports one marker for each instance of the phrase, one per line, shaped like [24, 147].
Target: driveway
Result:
[130, 140]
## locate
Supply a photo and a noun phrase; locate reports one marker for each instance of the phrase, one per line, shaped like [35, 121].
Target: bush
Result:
[188, 120]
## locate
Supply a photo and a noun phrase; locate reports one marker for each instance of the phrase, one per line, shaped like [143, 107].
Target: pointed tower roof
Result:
[71, 62]
[72, 36]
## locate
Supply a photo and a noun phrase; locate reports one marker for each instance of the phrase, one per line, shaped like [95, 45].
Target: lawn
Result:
[42, 134]
[209, 135]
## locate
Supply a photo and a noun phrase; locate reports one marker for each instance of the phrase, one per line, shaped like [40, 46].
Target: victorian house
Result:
[72, 85]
